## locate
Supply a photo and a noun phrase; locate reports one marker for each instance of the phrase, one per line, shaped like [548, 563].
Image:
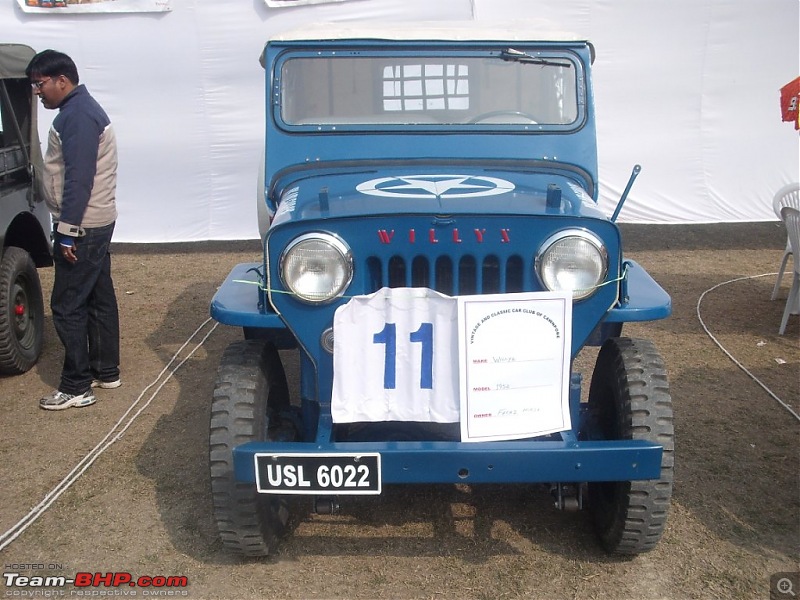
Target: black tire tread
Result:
[635, 371]
[250, 382]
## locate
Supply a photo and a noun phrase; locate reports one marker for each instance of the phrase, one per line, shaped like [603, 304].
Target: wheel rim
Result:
[24, 329]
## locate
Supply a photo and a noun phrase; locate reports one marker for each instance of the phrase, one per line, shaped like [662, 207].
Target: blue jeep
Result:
[422, 165]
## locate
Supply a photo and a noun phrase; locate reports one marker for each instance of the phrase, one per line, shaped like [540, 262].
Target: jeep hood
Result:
[372, 193]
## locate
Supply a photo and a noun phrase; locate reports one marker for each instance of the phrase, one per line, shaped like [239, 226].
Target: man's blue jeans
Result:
[85, 312]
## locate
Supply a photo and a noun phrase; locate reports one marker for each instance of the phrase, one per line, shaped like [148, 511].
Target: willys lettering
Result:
[433, 236]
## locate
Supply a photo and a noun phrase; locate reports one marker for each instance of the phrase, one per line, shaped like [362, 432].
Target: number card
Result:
[394, 358]
[514, 351]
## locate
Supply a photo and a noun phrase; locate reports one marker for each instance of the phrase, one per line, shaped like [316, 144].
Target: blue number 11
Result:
[423, 335]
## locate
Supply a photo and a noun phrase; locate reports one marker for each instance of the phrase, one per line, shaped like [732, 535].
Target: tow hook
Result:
[326, 505]
[567, 496]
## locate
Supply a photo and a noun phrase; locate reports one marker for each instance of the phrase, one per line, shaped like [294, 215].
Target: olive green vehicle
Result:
[25, 240]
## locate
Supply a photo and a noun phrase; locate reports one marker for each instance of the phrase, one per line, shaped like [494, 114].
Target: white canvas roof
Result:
[517, 31]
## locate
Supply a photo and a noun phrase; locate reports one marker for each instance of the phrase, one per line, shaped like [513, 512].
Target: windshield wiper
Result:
[524, 57]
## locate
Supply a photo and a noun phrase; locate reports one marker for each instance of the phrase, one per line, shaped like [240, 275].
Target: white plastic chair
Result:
[791, 217]
[788, 195]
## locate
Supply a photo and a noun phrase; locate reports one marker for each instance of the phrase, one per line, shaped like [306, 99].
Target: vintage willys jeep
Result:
[405, 168]
[24, 218]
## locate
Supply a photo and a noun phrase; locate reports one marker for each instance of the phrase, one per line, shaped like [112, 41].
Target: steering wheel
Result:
[503, 113]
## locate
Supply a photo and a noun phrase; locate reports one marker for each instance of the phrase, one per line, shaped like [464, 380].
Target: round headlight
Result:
[316, 267]
[572, 260]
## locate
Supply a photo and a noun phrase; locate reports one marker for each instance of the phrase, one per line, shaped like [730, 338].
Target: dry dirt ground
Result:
[143, 506]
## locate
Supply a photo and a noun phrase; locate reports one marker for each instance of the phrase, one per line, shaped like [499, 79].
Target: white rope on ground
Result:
[728, 354]
[110, 438]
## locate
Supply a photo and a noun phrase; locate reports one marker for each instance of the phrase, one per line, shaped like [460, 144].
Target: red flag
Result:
[790, 97]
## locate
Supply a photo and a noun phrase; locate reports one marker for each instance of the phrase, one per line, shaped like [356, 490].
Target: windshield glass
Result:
[507, 88]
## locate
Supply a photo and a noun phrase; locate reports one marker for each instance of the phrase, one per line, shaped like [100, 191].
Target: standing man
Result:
[80, 181]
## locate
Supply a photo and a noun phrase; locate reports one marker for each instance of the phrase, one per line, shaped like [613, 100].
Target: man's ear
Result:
[62, 81]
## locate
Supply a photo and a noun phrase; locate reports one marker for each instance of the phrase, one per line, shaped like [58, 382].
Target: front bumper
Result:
[487, 462]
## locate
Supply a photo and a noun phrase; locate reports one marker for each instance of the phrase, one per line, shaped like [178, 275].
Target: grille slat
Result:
[463, 276]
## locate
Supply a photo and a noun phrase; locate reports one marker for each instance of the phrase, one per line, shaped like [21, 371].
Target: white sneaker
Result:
[59, 400]
[106, 385]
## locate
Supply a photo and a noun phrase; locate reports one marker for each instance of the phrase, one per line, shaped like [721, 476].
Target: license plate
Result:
[301, 473]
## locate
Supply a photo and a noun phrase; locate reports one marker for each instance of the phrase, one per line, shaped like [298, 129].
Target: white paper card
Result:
[514, 352]
[395, 358]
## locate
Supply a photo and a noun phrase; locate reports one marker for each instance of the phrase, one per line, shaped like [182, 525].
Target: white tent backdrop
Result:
[687, 88]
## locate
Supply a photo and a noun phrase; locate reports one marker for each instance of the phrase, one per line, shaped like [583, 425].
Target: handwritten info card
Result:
[514, 354]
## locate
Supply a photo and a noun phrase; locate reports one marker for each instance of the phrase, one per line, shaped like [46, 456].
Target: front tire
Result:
[629, 399]
[21, 312]
[249, 395]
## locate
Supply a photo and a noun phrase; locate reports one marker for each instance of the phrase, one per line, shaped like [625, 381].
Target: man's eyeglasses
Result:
[37, 85]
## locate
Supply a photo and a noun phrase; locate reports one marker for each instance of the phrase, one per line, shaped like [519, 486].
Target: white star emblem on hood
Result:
[435, 186]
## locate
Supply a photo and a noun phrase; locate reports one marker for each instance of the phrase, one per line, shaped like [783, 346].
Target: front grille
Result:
[454, 276]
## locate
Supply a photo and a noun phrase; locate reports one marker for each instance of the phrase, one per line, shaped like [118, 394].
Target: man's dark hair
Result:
[51, 63]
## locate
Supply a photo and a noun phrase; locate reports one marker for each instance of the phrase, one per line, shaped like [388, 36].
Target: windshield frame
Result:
[422, 53]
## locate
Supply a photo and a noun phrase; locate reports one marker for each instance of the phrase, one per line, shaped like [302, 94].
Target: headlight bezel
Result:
[342, 250]
[559, 237]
